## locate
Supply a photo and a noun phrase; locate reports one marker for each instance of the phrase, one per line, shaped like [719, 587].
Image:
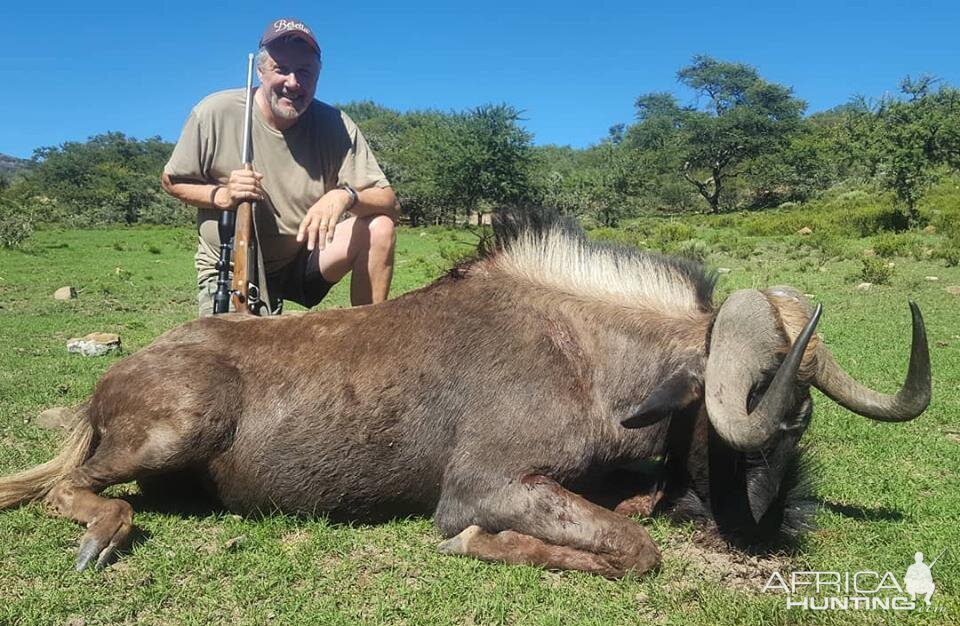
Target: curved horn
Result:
[746, 338]
[909, 402]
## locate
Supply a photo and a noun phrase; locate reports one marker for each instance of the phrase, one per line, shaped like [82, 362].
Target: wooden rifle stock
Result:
[243, 256]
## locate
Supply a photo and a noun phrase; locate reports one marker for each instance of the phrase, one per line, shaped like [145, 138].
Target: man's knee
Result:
[383, 233]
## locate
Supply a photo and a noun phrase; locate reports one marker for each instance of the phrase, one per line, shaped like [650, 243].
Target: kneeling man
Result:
[311, 166]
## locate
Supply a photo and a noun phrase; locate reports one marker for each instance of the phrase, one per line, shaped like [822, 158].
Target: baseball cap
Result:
[288, 27]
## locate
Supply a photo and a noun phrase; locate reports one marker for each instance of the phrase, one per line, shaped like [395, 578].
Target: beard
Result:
[288, 113]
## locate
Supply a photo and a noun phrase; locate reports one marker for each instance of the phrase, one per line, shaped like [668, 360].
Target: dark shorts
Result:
[300, 282]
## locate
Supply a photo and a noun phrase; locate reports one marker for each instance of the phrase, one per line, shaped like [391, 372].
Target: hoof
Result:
[459, 544]
[92, 548]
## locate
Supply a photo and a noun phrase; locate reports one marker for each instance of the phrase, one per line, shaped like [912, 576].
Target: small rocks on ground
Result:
[95, 344]
[864, 286]
[57, 418]
[806, 230]
[65, 293]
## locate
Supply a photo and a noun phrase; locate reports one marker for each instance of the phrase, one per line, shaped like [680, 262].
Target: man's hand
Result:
[322, 218]
[243, 185]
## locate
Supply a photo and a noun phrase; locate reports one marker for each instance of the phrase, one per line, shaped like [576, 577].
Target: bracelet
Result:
[354, 196]
[213, 196]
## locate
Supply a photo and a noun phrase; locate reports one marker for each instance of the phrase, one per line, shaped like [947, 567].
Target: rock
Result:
[864, 286]
[65, 293]
[806, 230]
[95, 344]
[932, 278]
[723, 270]
[953, 290]
[930, 229]
[57, 418]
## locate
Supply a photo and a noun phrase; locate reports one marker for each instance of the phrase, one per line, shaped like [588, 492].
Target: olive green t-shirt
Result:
[322, 151]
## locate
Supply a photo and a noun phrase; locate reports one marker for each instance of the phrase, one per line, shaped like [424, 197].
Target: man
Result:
[311, 166]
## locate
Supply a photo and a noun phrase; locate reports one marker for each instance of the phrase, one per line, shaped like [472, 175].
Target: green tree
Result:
[109, 178]
[491, 160]
[917, 136]
[741, 117]
[444, 165]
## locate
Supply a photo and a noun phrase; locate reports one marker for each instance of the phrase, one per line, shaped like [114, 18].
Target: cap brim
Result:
[292, 33]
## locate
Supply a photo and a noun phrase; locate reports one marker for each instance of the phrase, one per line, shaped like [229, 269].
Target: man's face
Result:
[288, 77]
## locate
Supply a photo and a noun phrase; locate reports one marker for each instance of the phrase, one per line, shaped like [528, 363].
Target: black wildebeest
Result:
[496, 399]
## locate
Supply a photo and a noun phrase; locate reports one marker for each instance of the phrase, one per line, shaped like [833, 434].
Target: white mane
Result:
[561, 262]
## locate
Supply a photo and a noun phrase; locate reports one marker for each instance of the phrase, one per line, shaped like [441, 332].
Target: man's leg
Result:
[206, 289]
[363, 245]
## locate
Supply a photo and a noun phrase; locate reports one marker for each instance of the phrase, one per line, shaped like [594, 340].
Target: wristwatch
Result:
[354, 196]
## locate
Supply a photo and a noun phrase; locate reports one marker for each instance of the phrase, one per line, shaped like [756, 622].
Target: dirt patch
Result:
[707, 558]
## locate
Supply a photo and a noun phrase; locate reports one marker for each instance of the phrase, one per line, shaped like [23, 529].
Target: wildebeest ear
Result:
[676, 392]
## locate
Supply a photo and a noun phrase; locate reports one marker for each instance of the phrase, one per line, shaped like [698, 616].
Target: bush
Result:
[674, 231]
[693, 249]
[875, 270]
[871, 220]
[828, 243]
[889, 245]
[16, 224]
[950, 253]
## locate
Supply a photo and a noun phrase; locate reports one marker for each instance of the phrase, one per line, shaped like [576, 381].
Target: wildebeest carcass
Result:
[504, 399]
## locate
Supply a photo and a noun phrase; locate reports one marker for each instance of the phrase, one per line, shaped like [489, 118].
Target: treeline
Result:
[745, 143]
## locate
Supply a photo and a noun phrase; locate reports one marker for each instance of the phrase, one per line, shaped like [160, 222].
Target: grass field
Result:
[887, 490]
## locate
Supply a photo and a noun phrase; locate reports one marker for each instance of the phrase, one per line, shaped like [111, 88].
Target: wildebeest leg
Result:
[108, 521]
[116, 460]
[538, 522]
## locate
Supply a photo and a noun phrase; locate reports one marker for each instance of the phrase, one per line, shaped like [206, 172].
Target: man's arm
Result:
[376, 201]
[243, 185]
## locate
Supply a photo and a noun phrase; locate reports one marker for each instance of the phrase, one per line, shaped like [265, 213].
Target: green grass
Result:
[888, 489]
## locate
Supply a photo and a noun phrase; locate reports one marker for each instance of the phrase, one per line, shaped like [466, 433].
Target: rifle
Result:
[237, 236]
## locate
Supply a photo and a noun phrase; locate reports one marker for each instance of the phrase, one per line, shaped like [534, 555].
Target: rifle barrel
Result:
[248, 114]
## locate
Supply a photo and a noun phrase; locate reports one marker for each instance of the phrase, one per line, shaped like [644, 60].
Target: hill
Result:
[10, 165]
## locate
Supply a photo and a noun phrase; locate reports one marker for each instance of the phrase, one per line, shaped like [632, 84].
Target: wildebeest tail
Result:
[35, 482]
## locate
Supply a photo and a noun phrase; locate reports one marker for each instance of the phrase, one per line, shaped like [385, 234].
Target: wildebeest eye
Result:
[756, 393]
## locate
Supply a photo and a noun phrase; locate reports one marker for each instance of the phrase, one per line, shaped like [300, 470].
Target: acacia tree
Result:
[740, 117]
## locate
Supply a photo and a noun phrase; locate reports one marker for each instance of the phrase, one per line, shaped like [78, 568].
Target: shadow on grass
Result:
[859, 513]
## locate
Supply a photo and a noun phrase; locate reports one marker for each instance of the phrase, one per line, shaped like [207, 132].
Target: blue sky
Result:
[574, 68]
